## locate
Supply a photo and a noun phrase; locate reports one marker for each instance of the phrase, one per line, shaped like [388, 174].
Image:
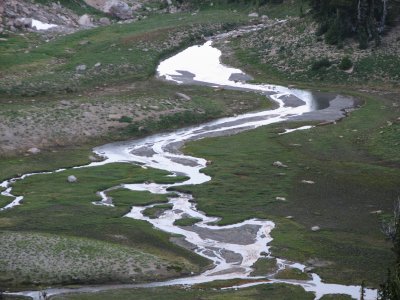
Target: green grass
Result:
[186, 221]
[133, 198]
[52, 205]
[128, 52]
[273, 292]
[295, 274]
[283, 10]
[4, 200]
[336, 297]
[155, 211]
[264, 266]
[72, 260]
[352, 175]
[45, 161]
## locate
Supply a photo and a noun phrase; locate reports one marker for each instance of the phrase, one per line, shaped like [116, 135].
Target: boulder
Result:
[81, 68]
[72, 179]
[279, 164]
[183, 96]
[119, 9]
[104, 21]
[34, 150]
[308, 181]
[22, 23]
[315, 228]
[85, 21]
[253, 15]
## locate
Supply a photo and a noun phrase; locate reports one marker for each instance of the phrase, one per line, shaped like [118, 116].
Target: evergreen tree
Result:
[366, 19]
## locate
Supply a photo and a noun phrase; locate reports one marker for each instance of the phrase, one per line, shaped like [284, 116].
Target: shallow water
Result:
[233, 249]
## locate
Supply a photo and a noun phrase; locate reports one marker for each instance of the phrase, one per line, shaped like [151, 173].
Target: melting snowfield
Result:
[233, 249]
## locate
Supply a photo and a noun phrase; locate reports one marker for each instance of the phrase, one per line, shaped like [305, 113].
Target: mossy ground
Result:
[186, 221]
[274, 292]
[64, 210]
[353, 178]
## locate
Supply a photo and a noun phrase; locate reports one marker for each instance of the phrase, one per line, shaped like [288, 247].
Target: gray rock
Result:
[308, 181]
[65, 102]
[34, 150]
[85, 21]
[104, 21]
[279, 164]
[72, 179]
[253, 15]
[315, 228]
[183, 96]
[81, 68]
[97, 65]
[22, 23]
[119, 9]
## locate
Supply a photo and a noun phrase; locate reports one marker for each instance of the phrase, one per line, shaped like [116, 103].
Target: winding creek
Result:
[233, 249]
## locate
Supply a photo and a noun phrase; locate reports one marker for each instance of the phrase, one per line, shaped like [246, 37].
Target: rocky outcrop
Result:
[119, 9]
[18, 15]
[85, 21]
[122, 10]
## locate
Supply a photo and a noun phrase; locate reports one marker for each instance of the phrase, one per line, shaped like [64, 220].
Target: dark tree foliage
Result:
[364, 19]
[390, 290]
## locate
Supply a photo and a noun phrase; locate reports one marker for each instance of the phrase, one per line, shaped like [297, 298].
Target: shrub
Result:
[125, 119]
[320, 64]
[345, 63]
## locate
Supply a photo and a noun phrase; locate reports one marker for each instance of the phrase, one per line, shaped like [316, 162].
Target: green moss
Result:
[126, 197]
[186, 221]
[52, 205]
[270, 291]
[351, 180]
[264, 266]
[295, 274]
[155, 211]
[4, 200]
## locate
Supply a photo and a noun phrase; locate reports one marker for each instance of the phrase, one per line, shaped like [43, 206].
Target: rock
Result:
[34, 150]
[289, 217]
[105, 21]
[85, 21]
[119, 9]
[279, 164]
[376, 212]
[72, 179]
[280, 199]
[315, 228]
[93, 158]
[81, 68]
[65, 102]
[183, 96]
[97, 65]
[308, 181]
[84, 42]
[22, 23]
[253, 15]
